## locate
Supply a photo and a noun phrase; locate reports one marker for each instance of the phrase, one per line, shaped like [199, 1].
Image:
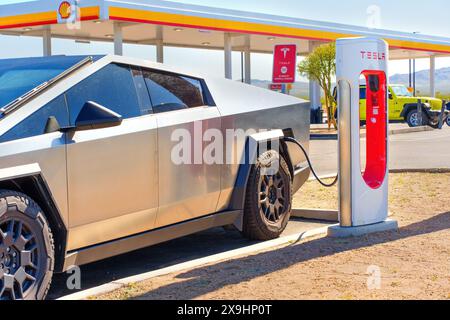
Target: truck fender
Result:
[273, 138]
[411, 106]
[29, 179]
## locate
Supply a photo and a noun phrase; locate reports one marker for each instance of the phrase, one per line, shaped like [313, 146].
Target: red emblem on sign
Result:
[65, 10]
[284, 63]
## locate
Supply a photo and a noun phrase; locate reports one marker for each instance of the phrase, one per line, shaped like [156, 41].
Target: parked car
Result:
[448, 117]
[87, 170]
[403, 106]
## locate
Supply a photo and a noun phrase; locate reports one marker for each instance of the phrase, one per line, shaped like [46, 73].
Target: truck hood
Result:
[434, 103]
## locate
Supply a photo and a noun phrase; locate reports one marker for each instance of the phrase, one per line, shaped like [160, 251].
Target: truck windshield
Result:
[401, 91]
[18, 76]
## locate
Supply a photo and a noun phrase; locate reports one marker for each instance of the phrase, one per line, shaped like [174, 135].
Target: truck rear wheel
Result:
[268, 201]
[26, 249]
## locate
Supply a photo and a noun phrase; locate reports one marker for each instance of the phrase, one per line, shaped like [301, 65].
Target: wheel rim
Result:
[414, 119]
[18, 259]
[272, 197]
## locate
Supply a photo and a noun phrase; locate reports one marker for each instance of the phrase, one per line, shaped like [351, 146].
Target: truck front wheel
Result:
[412, 119]
[268, 201]
[26, 249]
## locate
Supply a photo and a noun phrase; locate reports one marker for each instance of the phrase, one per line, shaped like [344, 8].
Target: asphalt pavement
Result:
[417, 150]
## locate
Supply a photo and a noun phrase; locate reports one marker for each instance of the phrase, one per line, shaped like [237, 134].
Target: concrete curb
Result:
[415, 170]
[431, 170]
[324, 177]
[337, 231]
[334, 136]
[229, 255]
[316, 214]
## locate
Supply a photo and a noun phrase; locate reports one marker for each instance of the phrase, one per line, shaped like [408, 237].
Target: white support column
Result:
[159, 44]
[314, 87]
[433, 76]
[118, 39]
[247, 61]
[314, 95]
[47, 42]
[228, 55]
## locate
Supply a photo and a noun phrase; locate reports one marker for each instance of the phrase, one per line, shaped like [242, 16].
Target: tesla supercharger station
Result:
[363, 183]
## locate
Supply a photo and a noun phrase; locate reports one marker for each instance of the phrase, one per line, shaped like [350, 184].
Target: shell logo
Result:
[65, 10]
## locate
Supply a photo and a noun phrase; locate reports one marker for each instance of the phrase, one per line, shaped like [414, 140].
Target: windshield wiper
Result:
[17, 103]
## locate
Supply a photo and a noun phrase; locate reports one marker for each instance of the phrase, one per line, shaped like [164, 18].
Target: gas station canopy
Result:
[175, 24]
[185, 25]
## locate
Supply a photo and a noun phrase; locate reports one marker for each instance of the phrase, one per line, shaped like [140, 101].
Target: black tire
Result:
[448, 120]
[412, 121]
[26, 249]
[266, 218]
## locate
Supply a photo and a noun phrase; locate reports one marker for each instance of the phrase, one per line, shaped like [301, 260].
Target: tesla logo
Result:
[285, 51]
[65, 10]
[370, 55]
[284, 63]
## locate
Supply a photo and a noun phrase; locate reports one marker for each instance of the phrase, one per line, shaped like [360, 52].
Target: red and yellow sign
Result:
[65, 10]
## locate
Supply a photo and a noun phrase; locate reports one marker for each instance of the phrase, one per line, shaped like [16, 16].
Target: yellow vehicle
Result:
[403, 106]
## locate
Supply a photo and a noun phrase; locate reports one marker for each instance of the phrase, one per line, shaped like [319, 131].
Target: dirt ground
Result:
[413, 263]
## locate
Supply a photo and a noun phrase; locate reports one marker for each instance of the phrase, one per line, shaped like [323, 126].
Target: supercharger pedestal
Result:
[363, 183]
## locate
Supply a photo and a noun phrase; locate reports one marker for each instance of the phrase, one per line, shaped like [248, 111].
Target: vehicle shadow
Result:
[152, 258]
[163, 255]
[204, 280]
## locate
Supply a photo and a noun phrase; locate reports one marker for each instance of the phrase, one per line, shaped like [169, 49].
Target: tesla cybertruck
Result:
[103, 155]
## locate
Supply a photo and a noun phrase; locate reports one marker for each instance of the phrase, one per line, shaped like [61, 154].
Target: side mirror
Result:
[95, 116]
[391, 96]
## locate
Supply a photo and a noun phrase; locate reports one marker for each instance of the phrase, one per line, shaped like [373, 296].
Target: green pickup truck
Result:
[403, 106]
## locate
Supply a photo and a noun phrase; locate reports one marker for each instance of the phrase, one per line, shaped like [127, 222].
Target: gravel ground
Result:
[413, 263]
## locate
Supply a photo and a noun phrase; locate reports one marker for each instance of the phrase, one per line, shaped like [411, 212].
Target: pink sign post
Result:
[284, 63]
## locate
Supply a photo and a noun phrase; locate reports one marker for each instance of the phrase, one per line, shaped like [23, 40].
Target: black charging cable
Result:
[288, 139]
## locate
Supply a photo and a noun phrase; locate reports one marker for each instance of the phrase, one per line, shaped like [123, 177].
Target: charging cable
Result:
[288, 139]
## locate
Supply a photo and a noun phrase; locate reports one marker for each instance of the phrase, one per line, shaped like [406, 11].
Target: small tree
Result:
[320, 66]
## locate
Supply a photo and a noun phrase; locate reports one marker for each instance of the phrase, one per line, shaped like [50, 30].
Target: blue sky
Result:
[428, 17]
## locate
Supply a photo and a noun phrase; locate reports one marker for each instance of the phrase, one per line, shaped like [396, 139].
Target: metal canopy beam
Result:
[228, 56]
[247, 61]
[118, 39]
[47, 42]
[433, 75]
[159, 44]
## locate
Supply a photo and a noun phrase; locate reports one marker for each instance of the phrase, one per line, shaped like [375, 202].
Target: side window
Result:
[35, 124]
[169, 92]
[112, 87]
[142, 92]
